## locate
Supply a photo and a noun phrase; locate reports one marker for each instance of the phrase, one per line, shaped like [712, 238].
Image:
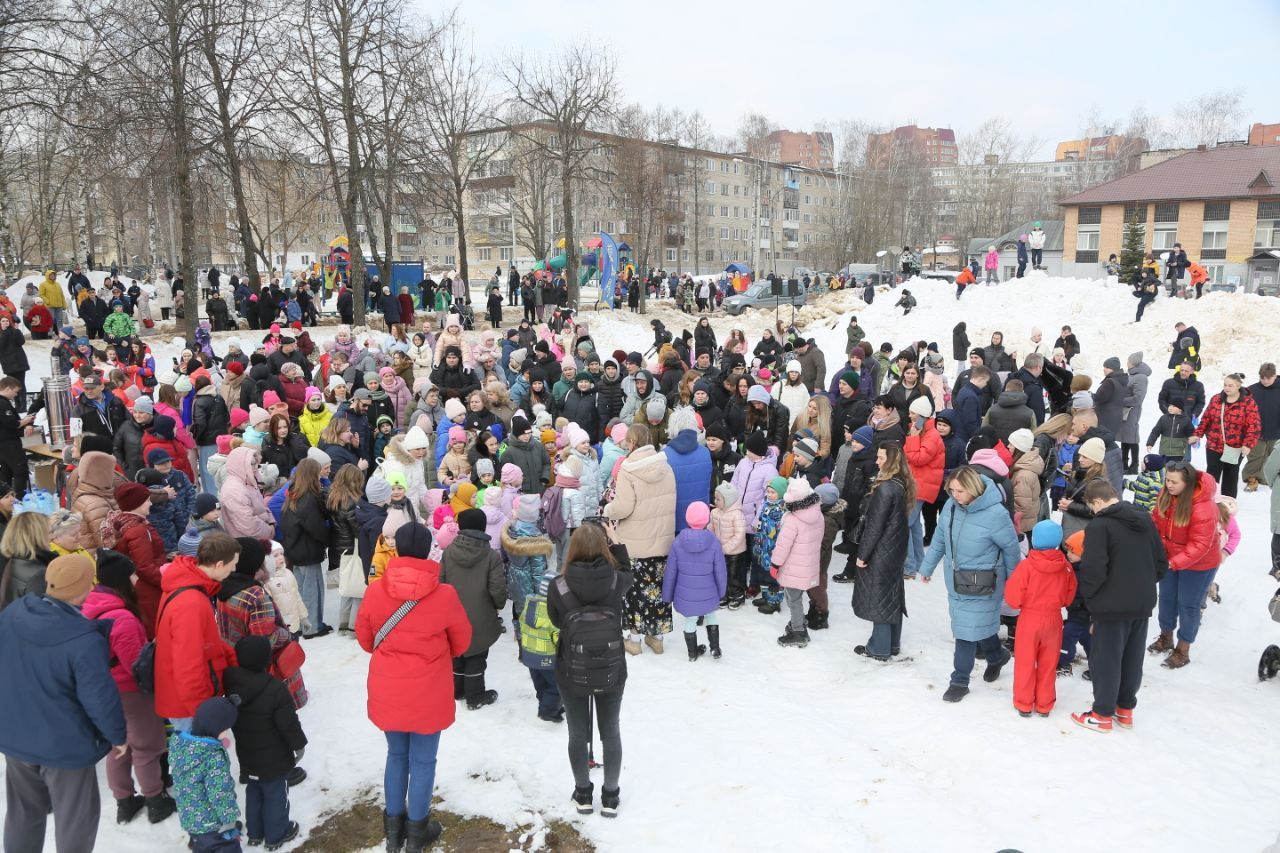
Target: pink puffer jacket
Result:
[798, 551]
[244, 512]
[730, 527]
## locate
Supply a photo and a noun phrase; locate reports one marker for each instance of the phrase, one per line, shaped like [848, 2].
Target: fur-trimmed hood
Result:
[526, 546]
[808, 501]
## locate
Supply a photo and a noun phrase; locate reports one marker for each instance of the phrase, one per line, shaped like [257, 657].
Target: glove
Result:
[298, 753]
[773, 572]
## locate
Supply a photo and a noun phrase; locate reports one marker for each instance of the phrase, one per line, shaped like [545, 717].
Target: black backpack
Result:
[591, 642]
[144, 667]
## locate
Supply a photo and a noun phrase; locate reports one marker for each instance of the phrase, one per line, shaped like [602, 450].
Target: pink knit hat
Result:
[239, 417]
[442, 514]
[697, 515]
[223, 442]
[512, 475]
[457, 435]
[313, 391]
[269, 398]
[618, 433]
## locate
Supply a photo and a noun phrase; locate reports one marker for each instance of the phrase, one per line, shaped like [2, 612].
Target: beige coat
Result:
[1026, 488]
[645, 504]
[93, 495]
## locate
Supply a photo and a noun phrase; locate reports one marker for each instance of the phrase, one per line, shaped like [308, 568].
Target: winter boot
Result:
[1251, 485]
[290, 833]
[1162, 644]
[768, 608]
[1180, 657]
[713, 640]
[955, 693]
[582, 798]
[128, 808]
[420, 834]
[799, 639]
[631, 646]
[737, 600]
[296, 777]
[393, 827]
[816, 620]
[843, 577]
[862, 650]
[488, 697]
[654, 643]
[1269, 663]
[609, 800]
[993, 669]
[160, 807]
[691, 643]
[842, 548]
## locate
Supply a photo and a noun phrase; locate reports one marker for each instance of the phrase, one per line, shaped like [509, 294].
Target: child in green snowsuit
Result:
[202, 781]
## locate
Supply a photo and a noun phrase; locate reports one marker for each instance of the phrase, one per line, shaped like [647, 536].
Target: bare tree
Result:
[532, 184]
[568, 95]
[1213, 117]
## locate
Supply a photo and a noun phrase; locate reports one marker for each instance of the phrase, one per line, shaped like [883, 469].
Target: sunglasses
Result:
[1178, 465]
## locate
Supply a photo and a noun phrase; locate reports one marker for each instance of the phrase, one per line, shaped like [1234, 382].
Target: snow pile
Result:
[769, 746]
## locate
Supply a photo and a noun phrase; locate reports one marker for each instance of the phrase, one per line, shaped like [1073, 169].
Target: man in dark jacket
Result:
[991, 392]
[346, 305]
[1185, 347]
[813, 364]
[1123, 560]
[1266, 394]
[1184, 391]
[1108, 400]
[93, 311]
[1029, 376]
[99, 412]
[127, 444]
[1011, 412]
[582, 406]
[959, 341]
[288, 353]
[609, 393]
[69, 715]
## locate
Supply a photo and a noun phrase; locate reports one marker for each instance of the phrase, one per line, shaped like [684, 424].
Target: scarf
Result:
[567, 482]
[891, 419]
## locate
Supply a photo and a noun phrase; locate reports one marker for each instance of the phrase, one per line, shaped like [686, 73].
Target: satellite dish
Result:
[882, 253]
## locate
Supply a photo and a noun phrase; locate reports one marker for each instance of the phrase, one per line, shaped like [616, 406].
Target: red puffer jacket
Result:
[132, 536]
[175, 448]
[927, 456]
[190, 653]
[410, 674]
[1240, 422]
[1193, 547]
[295, 395]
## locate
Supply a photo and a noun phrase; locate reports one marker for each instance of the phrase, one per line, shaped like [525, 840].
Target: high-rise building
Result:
[921, 146]
[811, 150]
[1264, 134]
[1113, 146]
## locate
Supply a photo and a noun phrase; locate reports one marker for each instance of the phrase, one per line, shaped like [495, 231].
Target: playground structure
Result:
[605, 261]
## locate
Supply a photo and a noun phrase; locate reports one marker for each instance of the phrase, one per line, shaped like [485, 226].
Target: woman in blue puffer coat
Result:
[978, 547]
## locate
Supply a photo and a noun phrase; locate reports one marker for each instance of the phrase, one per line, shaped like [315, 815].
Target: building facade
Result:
[925, 146]
[811, 150]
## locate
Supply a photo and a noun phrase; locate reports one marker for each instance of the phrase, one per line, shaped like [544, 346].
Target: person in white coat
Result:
[164, 297]
[791, 391]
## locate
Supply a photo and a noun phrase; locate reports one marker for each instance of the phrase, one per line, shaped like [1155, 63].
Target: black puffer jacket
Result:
[289, 453]
[878, 592]
[13, 358]
[128, 448]
[960, 342]
[343, 532]
[610, 396]
[305, 536]
[267, 729]
[583, 410]
[1123, 561]
[775, 421]
[454, 382]
[210, 419]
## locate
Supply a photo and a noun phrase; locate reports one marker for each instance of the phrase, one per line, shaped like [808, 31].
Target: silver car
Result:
[759, 294]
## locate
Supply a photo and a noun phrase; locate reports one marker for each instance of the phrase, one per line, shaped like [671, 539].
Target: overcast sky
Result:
[943, 64]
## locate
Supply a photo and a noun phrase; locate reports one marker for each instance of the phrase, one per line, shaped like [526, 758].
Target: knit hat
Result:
[850, 378]
[416, 438]
[727, 493]
[313, 391]
[114, 569]
[757, 443]
[1022, 440]
[182, 385]
[235, 367]
[368, 376]
[484, 466]
[239, 417]
[519, 426]
[252, 555]
[440, 515]
[253, 652]
[70, 576]
[1045, 535]
[1081, 400]
[319, 456]
[561, 441]
[1112, 363]
[454, 408]
[414, 540]
[130, 496]
[396, 478]
[697, 515]
[757, 394]
[655, 409]
[864, 435]
[779, 485]
[797, 490]
[827, 493]
[205, 504]
[457, 435]
[793, 366]
[511, 475]
[717, 430]
[144, 404]
[922, 406]
[336, 381]
[377, 490]
[1135, 358]
[268, 473]
[269, 398]
[528, 508]
[92, 441]
[1075, 543]
[1095, 450]
[618, 433]
[575, 435]
[158, 456]
[214, 716]
[472, 519]
[1153, 462]
[807, 448]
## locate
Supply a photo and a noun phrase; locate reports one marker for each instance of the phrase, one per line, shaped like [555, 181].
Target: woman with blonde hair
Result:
[66, 529]
[879, 592]
[1047, 440]
[816, 418]
[500, 403]
[26, 556]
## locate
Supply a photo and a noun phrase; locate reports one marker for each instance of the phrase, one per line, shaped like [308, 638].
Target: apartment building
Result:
[810, 150]
[923, 146]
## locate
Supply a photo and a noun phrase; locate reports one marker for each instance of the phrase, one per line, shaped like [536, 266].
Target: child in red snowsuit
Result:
[1041, 585]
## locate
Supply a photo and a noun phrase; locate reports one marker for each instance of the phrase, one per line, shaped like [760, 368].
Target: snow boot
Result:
[993, 669]
[654, 643]
[128, 808]
[1269, 663]
[713, 639]
[420, 834]
[1251, 485]
[770, 607]
[817, 620]
[1163, 643]
[862, 650]
[290, 833]
[737, 600]
[488, 697]
[1180, 657]
[691, 643]
[582, 798]
[799, 639]
[1093, 722]
[609, 800]
[631, 646]
[160, 807]
[393, 828]
[296, 777]
[955, 693]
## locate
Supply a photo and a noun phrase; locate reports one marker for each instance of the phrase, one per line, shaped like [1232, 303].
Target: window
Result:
[1135, 211]
[449, 260]
[1217, 211]
[1087, 240]
[1213, 242]
[671, 256]
[724, 233]
[737, 190]
[724, 210]
[1090, 216]
[684, 254]
[1167, 212]
[1267, 235]
[504, 254]
[486, 254]
[1164, 236]
[1215, 272]
[724, 189]
[709, 255]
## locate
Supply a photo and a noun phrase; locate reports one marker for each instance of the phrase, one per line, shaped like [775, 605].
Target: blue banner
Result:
[608, 268]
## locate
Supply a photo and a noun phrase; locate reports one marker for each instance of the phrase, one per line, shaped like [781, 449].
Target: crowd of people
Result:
[532, 489]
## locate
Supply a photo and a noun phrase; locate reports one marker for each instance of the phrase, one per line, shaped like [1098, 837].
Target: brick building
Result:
[811, 150]
[917, 146]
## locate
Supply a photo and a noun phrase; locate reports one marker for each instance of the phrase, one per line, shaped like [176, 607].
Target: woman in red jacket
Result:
[127, 531]
[1232, 426]
[411, 679]
[1186, 515]
[927, 457]
[39, 320]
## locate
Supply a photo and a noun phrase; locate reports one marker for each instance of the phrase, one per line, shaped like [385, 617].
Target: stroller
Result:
[464, 312]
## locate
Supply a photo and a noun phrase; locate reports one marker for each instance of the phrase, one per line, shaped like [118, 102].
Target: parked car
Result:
[948, 276]
[758, 295]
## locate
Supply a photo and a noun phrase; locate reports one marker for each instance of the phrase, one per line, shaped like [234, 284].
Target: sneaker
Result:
[955, 693]
[993, 669]
[582, 798]
[290, 833]
[488, 697]
[609, 801]
[1124, 718]
[127, 809]
[799, 639]
[1091, 721]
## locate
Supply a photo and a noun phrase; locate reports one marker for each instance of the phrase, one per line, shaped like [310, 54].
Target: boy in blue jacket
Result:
[968, 403]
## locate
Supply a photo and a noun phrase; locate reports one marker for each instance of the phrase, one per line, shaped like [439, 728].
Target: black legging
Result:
[929, 512]
[1227, 474]
[1131, 457]
[577, 712]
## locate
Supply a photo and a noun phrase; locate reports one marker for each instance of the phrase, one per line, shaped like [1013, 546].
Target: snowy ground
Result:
[779, 749]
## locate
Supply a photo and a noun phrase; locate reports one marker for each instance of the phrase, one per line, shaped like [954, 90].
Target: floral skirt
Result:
[643, 610]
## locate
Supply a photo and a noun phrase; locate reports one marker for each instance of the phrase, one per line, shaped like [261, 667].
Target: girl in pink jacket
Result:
[244, 511]
[797, 556]
[730, 527]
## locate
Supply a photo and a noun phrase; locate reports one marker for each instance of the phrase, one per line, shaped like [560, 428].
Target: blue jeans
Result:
[410, 776]
[1181, 594]
[206, 479]
[266, 808]
[915, 541]
[967, 652]
[544, 685]
[311, 587]
[886, 637]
